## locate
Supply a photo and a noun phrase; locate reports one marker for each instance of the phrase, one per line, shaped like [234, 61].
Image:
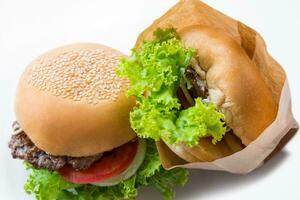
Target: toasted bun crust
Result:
[69, 101]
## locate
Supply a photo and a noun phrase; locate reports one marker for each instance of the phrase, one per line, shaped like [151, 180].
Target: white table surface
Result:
[28, 28]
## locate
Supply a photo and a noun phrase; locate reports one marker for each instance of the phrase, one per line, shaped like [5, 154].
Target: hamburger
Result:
[197, 92]
[72, 129]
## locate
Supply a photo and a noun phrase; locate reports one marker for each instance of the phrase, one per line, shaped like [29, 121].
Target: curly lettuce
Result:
[155, 72]
[46, 185]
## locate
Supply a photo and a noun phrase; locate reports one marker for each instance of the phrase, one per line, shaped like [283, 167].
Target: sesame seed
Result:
[86, 75]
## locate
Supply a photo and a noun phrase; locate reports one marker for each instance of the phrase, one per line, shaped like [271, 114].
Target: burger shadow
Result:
[203, 183]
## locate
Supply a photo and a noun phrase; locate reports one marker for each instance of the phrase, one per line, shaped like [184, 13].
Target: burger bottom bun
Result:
[206, 151]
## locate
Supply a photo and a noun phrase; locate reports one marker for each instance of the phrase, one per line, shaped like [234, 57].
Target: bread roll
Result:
[235, 86]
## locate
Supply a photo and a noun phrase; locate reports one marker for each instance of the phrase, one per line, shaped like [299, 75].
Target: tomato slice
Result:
[111, 164]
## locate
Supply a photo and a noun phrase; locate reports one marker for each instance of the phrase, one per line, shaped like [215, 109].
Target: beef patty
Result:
[23, 148]
[198, 89]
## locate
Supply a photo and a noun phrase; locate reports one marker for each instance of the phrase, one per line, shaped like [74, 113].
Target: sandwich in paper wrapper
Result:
[189, 14]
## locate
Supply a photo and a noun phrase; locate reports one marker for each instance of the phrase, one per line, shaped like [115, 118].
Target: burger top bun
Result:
[70, 102]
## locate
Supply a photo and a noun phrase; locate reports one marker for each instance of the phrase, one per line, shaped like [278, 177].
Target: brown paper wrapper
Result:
[273, 138]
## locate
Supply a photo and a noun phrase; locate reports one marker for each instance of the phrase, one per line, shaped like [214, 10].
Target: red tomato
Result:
[111, 164]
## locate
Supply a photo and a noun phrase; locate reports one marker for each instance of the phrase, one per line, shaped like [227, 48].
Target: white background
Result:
[28, 28]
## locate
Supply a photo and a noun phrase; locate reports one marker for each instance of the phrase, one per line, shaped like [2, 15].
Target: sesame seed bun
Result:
[70, 102]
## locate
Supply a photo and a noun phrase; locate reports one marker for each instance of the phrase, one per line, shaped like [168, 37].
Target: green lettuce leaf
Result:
[46, 185]
[170, 179]
[155, 72]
